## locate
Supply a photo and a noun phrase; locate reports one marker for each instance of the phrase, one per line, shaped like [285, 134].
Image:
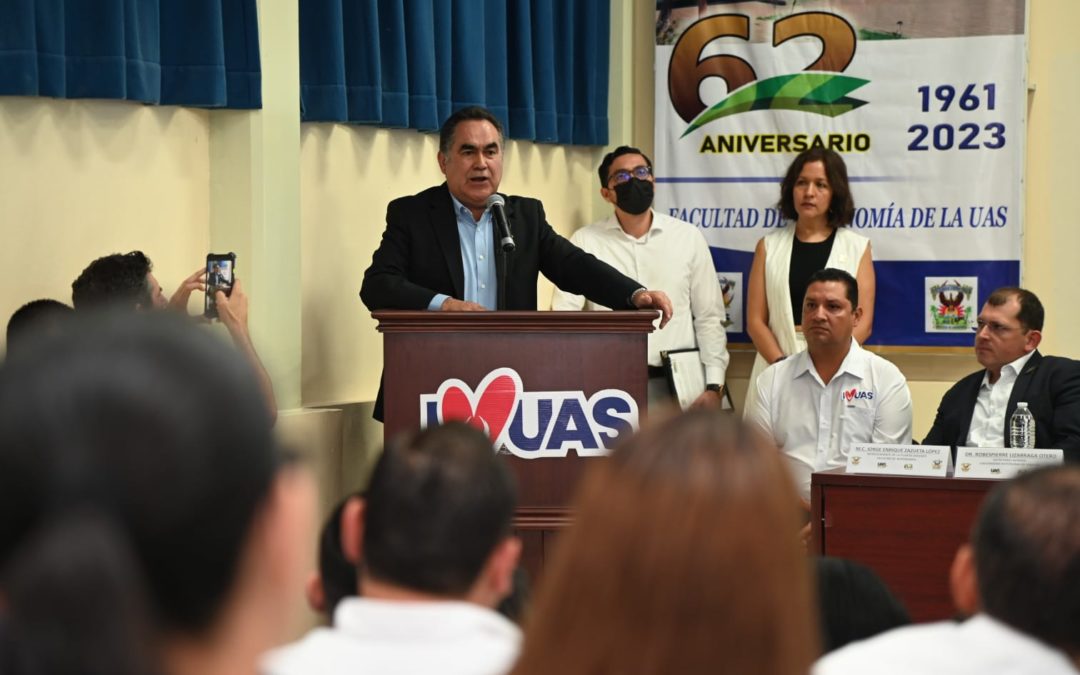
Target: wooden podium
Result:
[585, 352]
[906, 529]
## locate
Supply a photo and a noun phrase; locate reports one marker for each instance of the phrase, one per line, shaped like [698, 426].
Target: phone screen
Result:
[220, 274]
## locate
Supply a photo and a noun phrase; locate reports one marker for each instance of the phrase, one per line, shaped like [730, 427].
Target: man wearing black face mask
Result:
[660, 252]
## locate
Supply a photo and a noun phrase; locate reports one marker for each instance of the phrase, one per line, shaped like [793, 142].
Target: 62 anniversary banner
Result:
[924, 99]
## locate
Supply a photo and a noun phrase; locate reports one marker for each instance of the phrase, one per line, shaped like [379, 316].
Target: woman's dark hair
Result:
[842, 207]
[855, 603]
[135, 451]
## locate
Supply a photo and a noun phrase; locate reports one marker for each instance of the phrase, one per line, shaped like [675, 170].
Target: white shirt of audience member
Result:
[978, 646]
[406, 638]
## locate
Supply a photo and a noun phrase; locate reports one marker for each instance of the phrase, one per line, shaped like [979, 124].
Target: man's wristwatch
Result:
[718, 388]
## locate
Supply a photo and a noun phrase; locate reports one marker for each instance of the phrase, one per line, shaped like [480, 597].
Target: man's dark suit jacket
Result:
[1051, 387]
[420, 256]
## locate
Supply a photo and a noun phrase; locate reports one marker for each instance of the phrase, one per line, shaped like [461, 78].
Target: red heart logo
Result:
[493, 407]
[850, 394]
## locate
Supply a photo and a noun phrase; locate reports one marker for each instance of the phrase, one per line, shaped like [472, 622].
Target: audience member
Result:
[434, 535]
[975, 412]
[818, 403]
[126, 280]
[682, 558]
[35, 319]
[1017, 580]
[515, 606]
[661, 252]
[146, 528]
[337, 576]
[855, 603]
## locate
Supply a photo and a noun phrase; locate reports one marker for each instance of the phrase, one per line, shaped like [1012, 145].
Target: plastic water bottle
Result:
[1022, 427]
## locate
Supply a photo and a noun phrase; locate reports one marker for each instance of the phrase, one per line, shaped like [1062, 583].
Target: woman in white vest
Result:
[815, 194]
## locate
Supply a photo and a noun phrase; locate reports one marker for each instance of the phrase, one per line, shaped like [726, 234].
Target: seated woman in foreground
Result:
[682, 558]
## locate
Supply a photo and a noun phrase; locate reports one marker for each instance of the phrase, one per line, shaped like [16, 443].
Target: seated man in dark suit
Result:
[439, 249]
[976, 411]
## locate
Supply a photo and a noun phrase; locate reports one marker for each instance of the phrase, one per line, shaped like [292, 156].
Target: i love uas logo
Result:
[854, 394]
[533, 424]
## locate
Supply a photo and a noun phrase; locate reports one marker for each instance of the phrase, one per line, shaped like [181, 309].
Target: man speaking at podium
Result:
[439, 252]
[975, 412]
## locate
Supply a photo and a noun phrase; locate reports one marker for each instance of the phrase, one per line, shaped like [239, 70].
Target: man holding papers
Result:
[660, 252]
[817, 404]
[976, 411]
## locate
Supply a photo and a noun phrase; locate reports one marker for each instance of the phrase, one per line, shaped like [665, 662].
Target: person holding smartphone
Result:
[126, 280]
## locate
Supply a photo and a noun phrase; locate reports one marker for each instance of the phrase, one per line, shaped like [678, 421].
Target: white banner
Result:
[924, 99]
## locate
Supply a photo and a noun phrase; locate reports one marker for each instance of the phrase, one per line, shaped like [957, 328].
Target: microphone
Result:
[496, 203]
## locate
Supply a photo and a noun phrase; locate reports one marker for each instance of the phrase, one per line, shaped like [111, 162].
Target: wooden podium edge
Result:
[396, 321]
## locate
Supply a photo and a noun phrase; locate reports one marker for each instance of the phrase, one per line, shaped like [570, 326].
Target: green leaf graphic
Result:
[812, 92]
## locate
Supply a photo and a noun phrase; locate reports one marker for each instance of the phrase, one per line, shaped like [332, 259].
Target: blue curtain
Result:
[540, 65]
[172, 52]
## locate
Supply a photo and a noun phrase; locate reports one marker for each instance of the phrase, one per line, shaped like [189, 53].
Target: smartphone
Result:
[220, 276]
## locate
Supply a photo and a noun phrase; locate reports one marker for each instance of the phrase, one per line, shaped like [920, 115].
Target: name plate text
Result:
[900, 460]
[1002, 463]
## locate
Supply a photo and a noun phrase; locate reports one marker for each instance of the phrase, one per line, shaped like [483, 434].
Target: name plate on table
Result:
[1002, 463]
[900, 460]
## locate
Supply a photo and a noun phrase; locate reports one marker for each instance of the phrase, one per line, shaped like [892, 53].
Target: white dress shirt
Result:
[381, 637]
[672, 257]
[979, 646]
[987, 428]
[815, 424]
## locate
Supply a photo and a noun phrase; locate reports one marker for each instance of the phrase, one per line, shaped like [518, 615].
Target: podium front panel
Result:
[553, 353]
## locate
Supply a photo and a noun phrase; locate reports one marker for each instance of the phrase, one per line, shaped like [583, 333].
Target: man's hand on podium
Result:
[648, 299]
[452, 305]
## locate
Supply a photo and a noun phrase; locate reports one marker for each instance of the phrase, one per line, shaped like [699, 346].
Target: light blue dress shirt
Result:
[477, 259]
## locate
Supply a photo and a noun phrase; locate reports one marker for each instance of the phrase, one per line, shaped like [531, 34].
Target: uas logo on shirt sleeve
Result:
[533, 424]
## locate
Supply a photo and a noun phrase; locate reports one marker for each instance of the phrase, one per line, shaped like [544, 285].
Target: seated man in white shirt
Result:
[818, 403]
[660, 252]
[434, 533]
[1017, 579]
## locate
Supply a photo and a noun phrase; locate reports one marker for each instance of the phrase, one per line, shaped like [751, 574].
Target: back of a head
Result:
[855, 603]
[1027, 555]
[106, 432]
[683, 557]
[34, 319]
[116, 280]
[438, 503]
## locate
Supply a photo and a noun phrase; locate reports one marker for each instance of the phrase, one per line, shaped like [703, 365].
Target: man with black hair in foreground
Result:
[1017, 579]
[126, 281]
[434, 533]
